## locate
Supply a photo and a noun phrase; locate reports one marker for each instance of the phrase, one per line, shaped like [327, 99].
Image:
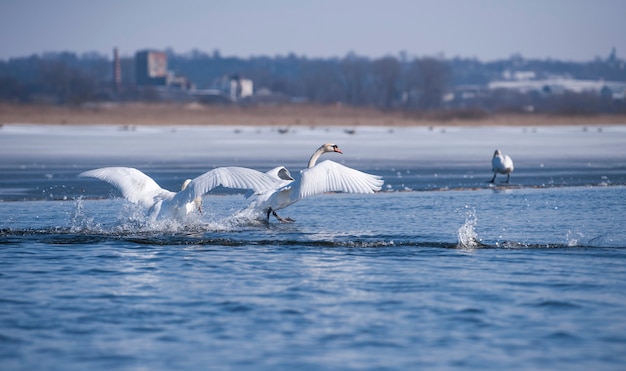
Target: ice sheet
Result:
[226, 145]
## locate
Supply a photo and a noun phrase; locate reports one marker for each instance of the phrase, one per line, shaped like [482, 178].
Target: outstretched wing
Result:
[281, 177]
[329, 176]
[227, 177]
[280, 173]
[134, 185]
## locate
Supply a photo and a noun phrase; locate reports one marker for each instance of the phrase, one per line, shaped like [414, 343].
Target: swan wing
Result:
[281, 176]
[134, 185]
[228, 177]
[329, 176]
[280, 173]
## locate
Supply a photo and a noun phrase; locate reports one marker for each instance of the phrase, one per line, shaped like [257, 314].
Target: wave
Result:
[247, 237]
[131, 225]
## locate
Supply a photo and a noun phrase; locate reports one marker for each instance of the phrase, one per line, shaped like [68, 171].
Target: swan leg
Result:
[283, 220]
[494, 178]
[280, 218]
[507, 177]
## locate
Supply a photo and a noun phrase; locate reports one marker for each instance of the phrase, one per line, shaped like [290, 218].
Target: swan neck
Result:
[315, 156]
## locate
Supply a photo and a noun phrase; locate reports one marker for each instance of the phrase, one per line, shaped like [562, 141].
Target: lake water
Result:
[441, 270]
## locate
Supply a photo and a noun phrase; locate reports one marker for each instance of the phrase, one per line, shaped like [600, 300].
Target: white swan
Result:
[139, 188]
[501, 164]
[327, 176]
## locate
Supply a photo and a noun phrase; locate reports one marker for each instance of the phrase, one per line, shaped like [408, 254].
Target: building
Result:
[151, 68]
[235, 87]
[560, 85]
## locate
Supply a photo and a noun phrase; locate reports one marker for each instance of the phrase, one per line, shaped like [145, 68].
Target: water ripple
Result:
[57, 236]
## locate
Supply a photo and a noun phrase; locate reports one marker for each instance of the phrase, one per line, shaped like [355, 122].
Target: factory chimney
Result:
[117, 71]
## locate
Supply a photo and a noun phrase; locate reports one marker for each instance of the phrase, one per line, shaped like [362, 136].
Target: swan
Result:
[327, 176]
[140, 189]
[501, 164]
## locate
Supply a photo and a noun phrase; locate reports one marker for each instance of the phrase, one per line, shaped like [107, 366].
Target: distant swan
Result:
[501, 164]
[139, 188]
[327, 176]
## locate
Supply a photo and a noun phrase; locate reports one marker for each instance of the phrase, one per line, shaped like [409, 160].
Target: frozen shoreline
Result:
[42, 161]
[226, 145]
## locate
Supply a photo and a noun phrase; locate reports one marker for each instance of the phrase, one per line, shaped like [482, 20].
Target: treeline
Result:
[391, 82]
[67, 79]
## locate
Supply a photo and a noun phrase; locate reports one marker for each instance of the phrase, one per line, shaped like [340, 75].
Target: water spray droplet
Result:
[467, 237]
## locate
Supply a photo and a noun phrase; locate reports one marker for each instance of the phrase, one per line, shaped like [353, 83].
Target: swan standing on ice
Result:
[327, 176]
[501, 164]
[139, 188]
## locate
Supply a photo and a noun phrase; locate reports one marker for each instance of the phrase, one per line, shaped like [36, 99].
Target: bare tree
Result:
[387, 71]
[432, 85]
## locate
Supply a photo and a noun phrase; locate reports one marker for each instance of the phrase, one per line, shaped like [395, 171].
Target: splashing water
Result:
[467, 237]
[573, 238]
[132, 218]
[79, 218]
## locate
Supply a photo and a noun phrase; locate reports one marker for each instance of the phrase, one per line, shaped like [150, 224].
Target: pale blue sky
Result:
[486, 29]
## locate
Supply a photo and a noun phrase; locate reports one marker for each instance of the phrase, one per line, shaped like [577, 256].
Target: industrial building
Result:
[150, 68]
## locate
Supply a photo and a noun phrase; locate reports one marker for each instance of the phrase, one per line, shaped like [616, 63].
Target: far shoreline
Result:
[289, 115]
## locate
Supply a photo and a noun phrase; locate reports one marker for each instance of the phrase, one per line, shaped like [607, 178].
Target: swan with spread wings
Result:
[327, 176]
[140, 189]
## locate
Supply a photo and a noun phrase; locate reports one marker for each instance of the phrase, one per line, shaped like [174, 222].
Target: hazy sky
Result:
[486, 29]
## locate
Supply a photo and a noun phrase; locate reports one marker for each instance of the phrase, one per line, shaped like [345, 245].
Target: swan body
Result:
[327, 176]
[501, 164]
[140, 189]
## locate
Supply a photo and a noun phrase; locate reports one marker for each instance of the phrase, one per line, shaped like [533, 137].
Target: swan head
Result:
[497, 153]
[329, 147]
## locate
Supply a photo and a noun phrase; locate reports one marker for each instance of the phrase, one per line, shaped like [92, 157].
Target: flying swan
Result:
[501, 164]
[139, 188]
[327, 176]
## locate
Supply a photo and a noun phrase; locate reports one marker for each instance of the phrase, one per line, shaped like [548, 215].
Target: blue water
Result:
[440, 271]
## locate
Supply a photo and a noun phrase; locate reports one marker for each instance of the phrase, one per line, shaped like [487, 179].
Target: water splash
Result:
[79, 218]
[574, 238]
[132, 219]
[466, 234]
